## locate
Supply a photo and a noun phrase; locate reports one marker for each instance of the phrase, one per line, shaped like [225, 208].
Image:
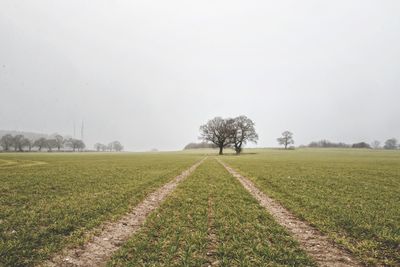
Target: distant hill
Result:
[28, 135]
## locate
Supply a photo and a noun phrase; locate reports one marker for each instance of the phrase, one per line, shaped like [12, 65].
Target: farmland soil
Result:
[99, 249]
[212, 237]
[316, 244]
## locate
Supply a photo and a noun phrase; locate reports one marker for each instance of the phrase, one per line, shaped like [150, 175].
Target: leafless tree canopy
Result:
[244, 132]
[376, 144]
[7, 141]
[75, 144]
[217, 131]
[116, 145]
[51, 143]
[40, 143]
[286, 139]
[59, 141]
[229, 132]
[98, 146]
[26, 142]
[391, 144]
[18, 142]
[112, 146]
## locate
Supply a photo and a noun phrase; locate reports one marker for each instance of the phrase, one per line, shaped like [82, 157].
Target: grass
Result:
[45, 207]
[210, 201]
[352, 195]
[49, 201]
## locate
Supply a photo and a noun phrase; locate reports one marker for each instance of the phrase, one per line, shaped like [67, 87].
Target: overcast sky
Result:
[149, 73]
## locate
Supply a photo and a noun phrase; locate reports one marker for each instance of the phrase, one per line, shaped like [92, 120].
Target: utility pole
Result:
[82, 131]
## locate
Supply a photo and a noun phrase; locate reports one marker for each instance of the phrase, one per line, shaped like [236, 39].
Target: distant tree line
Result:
[199, 145]
[229, 132]
[327, 144]
[20, 143]
[391, 143]
[361, 145]
[113, 146]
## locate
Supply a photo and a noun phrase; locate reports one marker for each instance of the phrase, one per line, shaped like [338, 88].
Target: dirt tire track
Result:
[212, 237]
[316, 244]
[113, 235]
[15, 164]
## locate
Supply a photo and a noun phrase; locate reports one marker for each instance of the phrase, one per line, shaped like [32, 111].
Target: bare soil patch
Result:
[316, 244]
[212, 237]
[99, 249]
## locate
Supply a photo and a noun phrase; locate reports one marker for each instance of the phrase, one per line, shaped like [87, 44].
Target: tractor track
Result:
[98, 250]
[315, 243]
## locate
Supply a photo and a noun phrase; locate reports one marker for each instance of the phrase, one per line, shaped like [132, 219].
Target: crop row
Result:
[47, 207]
[352, 196]
[211, 219]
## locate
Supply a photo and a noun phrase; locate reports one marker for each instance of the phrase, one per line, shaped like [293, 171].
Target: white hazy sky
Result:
[149, 73]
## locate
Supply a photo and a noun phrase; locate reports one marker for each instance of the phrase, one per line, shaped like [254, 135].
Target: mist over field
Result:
[149, 73]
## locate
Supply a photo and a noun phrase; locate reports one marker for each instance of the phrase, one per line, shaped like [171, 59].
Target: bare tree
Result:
[103, 148]
[51, 143]
[390, 144]
[22, 143]
[286, 139]
[40, 143]
[116, 145]
[18, 142]
[75, 144]
[80, 145]
[6, 141]
[110, 147]
[71, 143]
[244, 132]
[376, 144]
[98, 146]
[59, 141]
[218, 131]
[26, 142]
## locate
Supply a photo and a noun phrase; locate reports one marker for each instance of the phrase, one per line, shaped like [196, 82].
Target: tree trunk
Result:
[220, 150]
[238, 148]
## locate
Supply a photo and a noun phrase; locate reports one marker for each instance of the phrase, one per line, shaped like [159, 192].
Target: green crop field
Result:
[48, 201]
[245, 235]
[352, 195]
[51, 201]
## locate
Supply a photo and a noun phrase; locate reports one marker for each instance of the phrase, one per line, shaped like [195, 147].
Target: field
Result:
[53, 201]
[211, 219]
[45, 207]
[352, 195]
